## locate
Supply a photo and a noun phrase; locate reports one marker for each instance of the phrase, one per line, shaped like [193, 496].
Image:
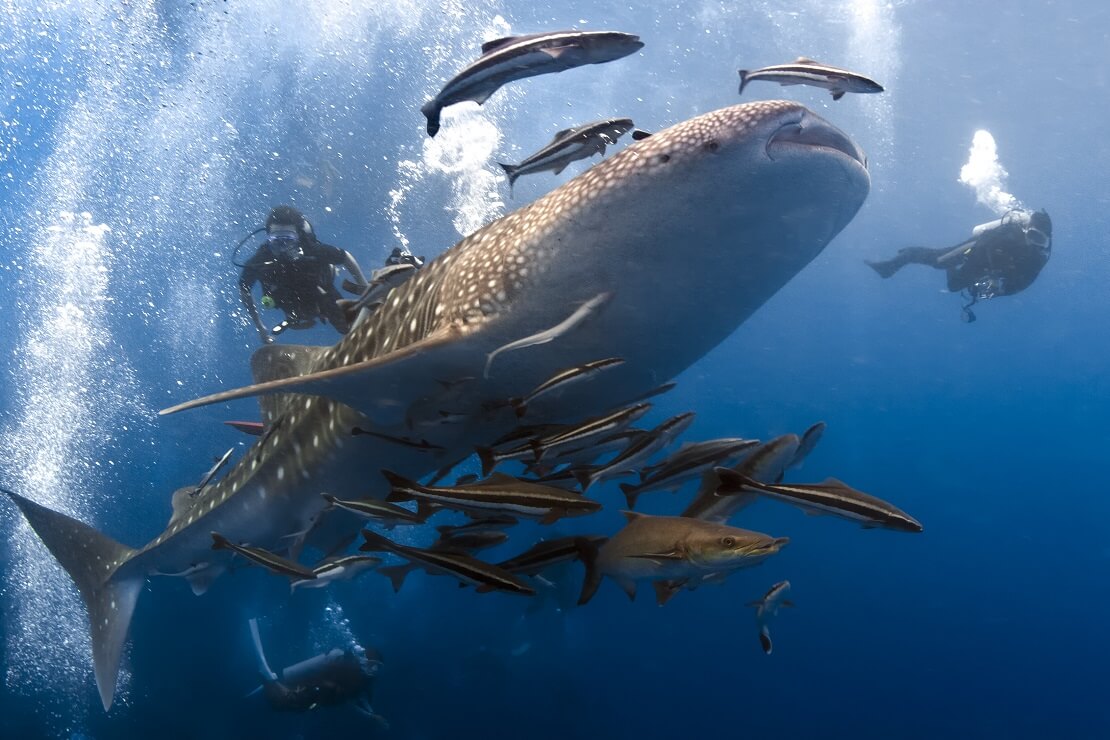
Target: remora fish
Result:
[373, 294]
[513, 58]
[484, 576]
[569, 145]
[804, 71]
[638, 451]
[673, 549]
[499, 493]
[547, 553]
[331, 570]
[690, 461]
[560, 379]
[830, 497]
[214, 470]
[265, 558]
[389, 515]
[767, 607]
[484, 524]
[765, 464]
[754, 192]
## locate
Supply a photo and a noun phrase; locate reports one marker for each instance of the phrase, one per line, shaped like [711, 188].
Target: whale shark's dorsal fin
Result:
[382, 384]
[277, 362]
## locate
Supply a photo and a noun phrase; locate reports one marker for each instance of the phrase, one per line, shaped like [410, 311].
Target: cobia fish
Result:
[516, 57]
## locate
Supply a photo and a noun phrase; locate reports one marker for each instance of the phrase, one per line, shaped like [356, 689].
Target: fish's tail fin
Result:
[486, 457]
[93, 561]
[511, 173]
[520, 408]
[743, 81]
[431, 111]
[587, 553]
[765, 638]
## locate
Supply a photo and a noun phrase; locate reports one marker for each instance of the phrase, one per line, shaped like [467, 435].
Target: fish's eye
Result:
[728, 541]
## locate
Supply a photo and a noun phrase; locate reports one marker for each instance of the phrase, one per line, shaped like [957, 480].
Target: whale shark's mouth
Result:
[812, 132]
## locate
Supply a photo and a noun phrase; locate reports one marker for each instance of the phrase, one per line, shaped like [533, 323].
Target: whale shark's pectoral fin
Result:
[373, 387]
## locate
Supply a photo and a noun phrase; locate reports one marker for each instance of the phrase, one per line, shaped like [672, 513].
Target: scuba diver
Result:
[403, 257]
[329, 679]
[297, 272]
[1002, 257]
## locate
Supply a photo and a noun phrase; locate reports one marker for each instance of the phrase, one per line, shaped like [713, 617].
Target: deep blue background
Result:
[179, 127]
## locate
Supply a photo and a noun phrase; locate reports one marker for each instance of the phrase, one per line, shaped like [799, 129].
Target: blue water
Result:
[141, 141]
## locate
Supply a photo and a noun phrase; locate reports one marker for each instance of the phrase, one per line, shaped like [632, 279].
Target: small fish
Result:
[561, 379]
[471, 542]
[331, 570]
[547, 553]
[484, 576]
[674, 550]
[517, 57]
[640, 135]
[804, 71]
[253, 428]
[265, 558]
[688, 462]
[565, 326]
[373, 293]
[830, 497]
[390, 515]
[213, 470]
[639, 451]
[482, 524]
[765, 464]
[570, 145]
[598, 425]
[768, 606]
[416, 444]
[499, 493]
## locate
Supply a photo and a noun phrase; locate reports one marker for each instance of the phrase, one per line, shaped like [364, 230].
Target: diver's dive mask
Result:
[1038, 238]
[284, 240]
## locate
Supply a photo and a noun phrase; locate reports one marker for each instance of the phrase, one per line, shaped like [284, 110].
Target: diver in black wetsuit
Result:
[297, 272]
[1002, 257]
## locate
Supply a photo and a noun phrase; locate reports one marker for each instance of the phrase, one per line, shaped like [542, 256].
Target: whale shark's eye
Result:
[663, 158]
[712, 145]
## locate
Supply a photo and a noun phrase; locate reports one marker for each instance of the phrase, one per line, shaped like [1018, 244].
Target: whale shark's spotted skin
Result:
[684, 234]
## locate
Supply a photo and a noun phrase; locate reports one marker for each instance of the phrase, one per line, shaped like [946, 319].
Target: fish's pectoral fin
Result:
[836, 95]
[628, 585]
[555, 52]
[588, 553]
[665, 590]
[371, 386]
[396, 574]
[201, 580]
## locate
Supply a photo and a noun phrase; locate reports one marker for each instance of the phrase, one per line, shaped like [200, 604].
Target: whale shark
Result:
[654, 255]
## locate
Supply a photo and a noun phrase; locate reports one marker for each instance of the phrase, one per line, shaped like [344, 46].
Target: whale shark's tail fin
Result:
[93, 561]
